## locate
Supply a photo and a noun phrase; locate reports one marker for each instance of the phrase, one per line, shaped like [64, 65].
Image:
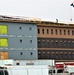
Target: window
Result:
[60, 71]
[57, 56]
[68, 32]
[51, 71]
[43, 43]
[3, 42]
[52, 55]
[3, 29]
[57, 44]
[56, 31]
[47, 31]
[17, 63]
[20, 28]
[48, 43]
[38, 31]
[64, 44]
[20, 40]
[6, 72]
[42, 31]
[3, 71]
[30, 41]
[31, 53]
[65, 55]
[72, 32]
[60, 32]
[30, 28]
[60, 43]
[51, 31]
[61, 55]
[64, 32]
[21, 53]
[69, 55]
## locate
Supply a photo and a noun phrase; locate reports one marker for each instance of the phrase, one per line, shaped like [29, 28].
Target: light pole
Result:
[72, 4]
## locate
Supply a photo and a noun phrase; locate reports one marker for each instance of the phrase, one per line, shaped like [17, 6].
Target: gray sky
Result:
[44, 9]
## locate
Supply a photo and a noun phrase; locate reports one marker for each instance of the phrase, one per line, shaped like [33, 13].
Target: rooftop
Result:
[39, 21]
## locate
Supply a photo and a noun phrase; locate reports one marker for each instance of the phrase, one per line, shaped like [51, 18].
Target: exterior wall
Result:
[22, 41]
[54, 32]
[55, 42]
[23, 54]
[56, 54]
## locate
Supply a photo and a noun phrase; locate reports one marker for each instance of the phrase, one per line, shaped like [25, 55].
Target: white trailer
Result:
[28, 70]
[27, 62]
[31, 70]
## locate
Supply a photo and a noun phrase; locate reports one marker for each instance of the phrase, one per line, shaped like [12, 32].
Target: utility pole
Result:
[72, 4]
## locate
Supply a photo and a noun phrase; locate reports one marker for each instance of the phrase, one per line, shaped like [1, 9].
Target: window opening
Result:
[31, 53]
[68, 32]
[56, 31]
[17, 63]
[51, 31]
[72, 32]
[47, 31]
[21, 53]
[20, 40]
[38, 31]
[42, 31]
[30, 41]
[60, 32]
[20, 28]
[64, 32]
[30, 28]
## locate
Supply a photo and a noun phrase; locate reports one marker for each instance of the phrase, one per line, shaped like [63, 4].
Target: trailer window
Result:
[51, 71]
[6, 72]
[60, 71]
[1, 72]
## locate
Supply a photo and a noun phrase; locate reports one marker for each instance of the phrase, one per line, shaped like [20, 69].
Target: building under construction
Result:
[23, 38]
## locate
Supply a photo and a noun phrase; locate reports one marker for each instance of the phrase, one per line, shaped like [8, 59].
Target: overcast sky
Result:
[44, 9]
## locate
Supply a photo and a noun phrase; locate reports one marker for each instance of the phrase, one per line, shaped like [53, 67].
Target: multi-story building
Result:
[56, 41]
[30, 38]
[18, 39]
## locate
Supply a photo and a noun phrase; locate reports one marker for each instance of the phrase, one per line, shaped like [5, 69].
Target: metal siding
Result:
[15, 42]
[14, 54]
[34, 62]
[26, 34]
[13, 29]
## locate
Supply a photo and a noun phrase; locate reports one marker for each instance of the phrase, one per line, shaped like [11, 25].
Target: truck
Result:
[33, 70]
[68, 67]
[28, 70]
